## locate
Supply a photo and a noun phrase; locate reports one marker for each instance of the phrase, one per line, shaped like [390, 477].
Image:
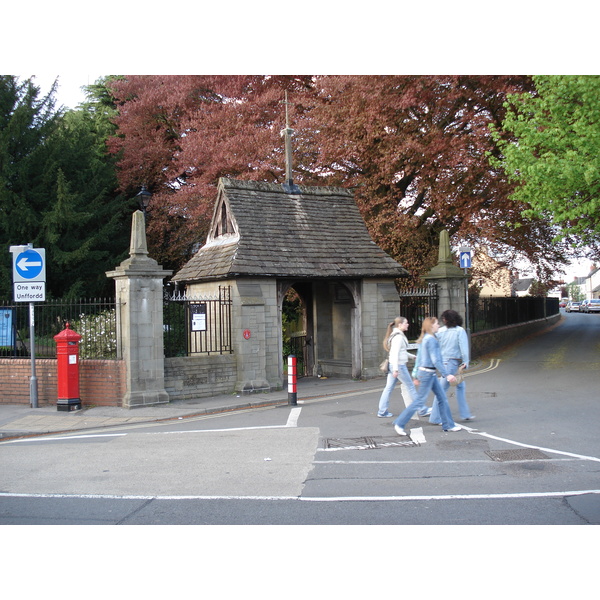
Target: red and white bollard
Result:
[292, 397]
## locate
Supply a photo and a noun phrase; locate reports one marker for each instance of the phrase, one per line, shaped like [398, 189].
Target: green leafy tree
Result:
[539, 288]
[575, 292]
[58, 189]
[26, 122]
[553, 153]
[86, 225]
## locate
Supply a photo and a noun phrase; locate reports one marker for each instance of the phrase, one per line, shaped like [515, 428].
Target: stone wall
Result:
[381, 305]
[255, 332]
[192, 377]
[496, 339]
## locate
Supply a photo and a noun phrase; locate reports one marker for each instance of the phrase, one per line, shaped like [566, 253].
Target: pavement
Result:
[21, 420]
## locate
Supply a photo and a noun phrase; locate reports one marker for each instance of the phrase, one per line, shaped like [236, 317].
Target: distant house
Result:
[591, 285]
[492, 277]
[522, 287]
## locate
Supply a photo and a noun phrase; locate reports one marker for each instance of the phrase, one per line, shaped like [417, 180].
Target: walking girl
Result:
[396, 344]
[429, 359]
[454, 346]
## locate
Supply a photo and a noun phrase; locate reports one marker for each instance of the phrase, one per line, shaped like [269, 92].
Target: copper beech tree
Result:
[414, 149]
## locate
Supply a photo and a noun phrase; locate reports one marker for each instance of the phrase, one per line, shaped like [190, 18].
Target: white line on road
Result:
[47, 438]
[293, 418]
[417, 435]
[542, 448]
[431, 462]
[451, 497]
[311, 499]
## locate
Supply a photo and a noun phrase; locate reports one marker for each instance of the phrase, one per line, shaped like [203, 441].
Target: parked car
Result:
[563, 303]
[588, 306]
[573, 307]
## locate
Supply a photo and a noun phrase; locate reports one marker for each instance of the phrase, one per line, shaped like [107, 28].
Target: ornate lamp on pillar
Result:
[144, 197]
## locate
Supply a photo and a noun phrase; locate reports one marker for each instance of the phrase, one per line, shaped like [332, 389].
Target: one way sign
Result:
[465, 258]
[29, 265]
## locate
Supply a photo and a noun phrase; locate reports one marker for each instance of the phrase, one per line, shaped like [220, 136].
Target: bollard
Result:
[292, 397]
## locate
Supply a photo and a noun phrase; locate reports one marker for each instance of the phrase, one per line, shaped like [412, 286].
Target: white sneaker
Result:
[399, 430]
[455, 428]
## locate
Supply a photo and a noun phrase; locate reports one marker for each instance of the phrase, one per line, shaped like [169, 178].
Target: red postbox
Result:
[67, 354]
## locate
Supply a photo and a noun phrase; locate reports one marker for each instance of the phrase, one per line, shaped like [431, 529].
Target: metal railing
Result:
[198, 325]
[494, 312]
[94, 319]
[415, 305]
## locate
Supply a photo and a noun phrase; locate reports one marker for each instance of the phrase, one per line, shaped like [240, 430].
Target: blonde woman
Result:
[429, 359]
[396, 344]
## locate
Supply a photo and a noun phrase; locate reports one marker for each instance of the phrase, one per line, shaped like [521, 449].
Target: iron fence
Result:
[297, 347]
[198, 325]
[94, 319]
[415, 305]
[494, 312]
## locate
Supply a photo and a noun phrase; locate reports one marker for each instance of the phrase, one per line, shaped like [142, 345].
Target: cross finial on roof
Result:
[287, 133]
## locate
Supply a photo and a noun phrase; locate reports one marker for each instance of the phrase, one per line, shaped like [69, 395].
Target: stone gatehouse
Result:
[267, 238]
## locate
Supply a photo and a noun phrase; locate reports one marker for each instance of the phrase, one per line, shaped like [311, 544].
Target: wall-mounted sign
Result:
[198, 314]
[246, 334]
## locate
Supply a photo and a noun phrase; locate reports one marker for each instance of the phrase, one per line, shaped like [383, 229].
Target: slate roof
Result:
[522, 285]
[315, 233]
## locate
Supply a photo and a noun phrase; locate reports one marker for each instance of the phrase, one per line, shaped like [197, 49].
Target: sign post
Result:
[29, 281]
[465, 255]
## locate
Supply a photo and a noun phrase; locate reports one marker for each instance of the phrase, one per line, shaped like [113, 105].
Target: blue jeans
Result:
[452, 365]
[428, 382]
[403, 377]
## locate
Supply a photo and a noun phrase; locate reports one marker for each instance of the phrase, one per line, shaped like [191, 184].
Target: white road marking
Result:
[48, 438]
[430, 462]
[293, 418]
[312, 499]
[417, 435]
[451, 497]
[542, 448]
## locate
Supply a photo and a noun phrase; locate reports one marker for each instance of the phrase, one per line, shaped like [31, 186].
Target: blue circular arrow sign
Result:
[29, 264]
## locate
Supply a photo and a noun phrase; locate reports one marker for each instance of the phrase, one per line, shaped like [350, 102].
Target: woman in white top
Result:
[396, 344]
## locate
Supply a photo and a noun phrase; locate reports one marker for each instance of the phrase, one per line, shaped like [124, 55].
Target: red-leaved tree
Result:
[414, 149]
[178, 134]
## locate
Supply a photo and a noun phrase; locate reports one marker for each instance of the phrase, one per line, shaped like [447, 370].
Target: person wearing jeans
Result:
[396, 344]
[454, 346]
[429, 359]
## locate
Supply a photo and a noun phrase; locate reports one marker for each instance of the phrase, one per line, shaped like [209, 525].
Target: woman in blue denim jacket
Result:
[429, 358]
[454, 345]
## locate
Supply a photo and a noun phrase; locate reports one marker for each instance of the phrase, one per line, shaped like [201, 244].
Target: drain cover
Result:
[365, 443]
[520, 454]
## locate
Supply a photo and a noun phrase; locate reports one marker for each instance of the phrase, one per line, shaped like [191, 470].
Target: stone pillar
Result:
[450, 280]
[139, 293]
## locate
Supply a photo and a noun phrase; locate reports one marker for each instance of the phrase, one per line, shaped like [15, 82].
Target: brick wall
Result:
[101, 382]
